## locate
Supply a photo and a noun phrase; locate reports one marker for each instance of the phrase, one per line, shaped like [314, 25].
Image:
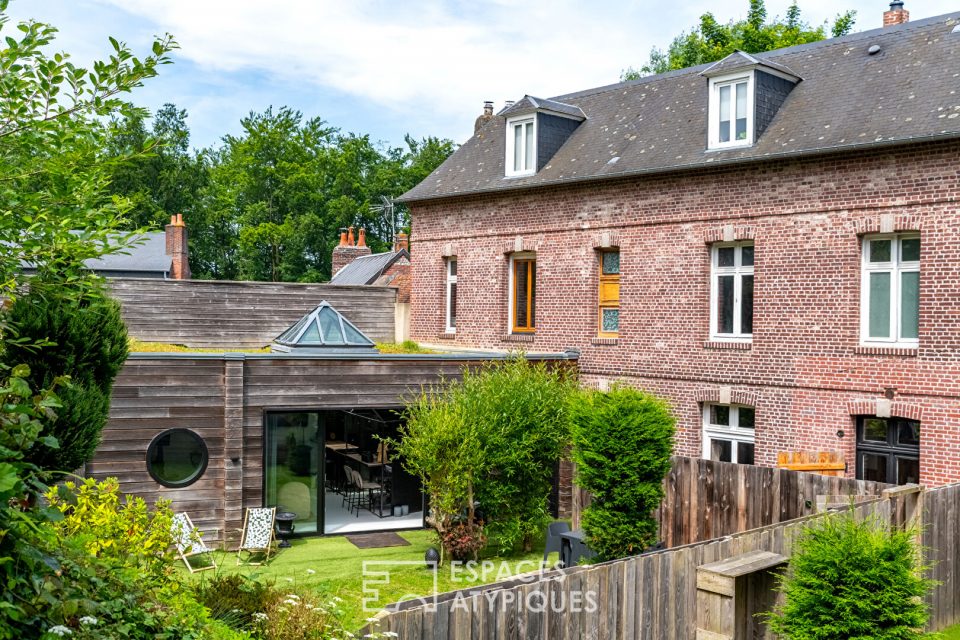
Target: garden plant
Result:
[851, 578]
[623, 440]
[485, 448]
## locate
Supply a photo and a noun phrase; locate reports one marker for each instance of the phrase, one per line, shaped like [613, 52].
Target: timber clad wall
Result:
[223, 398]
[804, 371]
[208, 313]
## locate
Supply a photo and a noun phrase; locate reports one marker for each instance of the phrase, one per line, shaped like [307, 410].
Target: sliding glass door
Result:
[293, 466]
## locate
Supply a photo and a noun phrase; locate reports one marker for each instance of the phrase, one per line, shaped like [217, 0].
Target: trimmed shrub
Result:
[850, 579]
[89, 344]
[623, 440]
[488, 445]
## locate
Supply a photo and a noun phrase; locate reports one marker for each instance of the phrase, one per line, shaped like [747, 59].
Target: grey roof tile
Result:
[150, 255]
[848, 99]
[530, 104]
[366, 269]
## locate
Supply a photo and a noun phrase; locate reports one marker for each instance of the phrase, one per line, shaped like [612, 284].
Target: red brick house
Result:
[771, 242]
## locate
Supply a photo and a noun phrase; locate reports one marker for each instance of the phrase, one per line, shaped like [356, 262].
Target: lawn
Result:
[332, 565]
[952, 633]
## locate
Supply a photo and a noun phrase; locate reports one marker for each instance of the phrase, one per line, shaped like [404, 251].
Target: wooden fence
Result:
[941, 539]
[706, 499]
[208, 313]
[652, 597]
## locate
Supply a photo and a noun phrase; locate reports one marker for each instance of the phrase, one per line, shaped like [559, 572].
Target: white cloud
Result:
[423, 62]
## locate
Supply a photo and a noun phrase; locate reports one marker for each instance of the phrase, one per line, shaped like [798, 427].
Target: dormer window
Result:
[521, 146]
[536, 129]
[731, 112]
[745, 94]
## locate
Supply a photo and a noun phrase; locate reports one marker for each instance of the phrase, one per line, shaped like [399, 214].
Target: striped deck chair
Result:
[257, 534]
[186, 538]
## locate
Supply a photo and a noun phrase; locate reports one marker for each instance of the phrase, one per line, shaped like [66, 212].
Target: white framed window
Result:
[523, 293]
[729, 433]
[451, 286]
[731, 111]
[890, 290]
[731, 291]
[521, 157]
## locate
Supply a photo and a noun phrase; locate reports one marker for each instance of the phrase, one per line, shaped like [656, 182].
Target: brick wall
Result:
[804, 369]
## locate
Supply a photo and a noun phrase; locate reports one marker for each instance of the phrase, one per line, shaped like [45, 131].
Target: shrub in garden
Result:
[491, 439]
[853, 579]
[623, 440]
[519, 410]
[85, 339]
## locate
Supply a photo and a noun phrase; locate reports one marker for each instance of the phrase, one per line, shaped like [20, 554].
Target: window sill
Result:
[605, 341]
[519, 337]
[728, 344]
[447, 335]
[891, 350]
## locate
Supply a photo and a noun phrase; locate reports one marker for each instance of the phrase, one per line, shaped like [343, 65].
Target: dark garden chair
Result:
[554, 529]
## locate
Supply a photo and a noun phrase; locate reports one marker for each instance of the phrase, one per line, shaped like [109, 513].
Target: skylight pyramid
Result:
[323, 330]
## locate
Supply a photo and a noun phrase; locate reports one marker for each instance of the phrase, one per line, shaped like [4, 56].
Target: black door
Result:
[888, 450]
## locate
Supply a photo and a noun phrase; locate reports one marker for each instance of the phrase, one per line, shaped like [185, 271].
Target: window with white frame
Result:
[451, 311]
[729, 433]
[731, 111]
[890, 290]
[521, 157]
[731, 291]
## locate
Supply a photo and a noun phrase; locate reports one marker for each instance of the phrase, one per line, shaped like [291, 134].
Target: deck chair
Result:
[257, 534]
[186, 539]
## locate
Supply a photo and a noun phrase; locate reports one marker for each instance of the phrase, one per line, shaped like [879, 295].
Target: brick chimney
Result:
[401, 242]
[176, 236]
[484, 118]
[896, 15]
[348, 250]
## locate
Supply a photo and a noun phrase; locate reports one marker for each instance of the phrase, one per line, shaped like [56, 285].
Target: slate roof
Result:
[848, 99]
[530, 104]
[366, 269]
[148, 256]
[740, 59]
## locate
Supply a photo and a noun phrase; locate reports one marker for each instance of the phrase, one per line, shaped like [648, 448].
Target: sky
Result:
[385, 67]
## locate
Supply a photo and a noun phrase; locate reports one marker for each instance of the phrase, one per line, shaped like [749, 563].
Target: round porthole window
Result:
[177, 458]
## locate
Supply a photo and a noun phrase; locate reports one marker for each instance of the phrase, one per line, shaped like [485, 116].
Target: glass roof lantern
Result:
[323, 330]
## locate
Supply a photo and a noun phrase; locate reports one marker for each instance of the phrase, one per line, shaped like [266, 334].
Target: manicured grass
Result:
[953, 633]
[337, 570]
[136, 346]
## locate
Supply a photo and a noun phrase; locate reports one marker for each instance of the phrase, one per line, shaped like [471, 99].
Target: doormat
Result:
[377, 540]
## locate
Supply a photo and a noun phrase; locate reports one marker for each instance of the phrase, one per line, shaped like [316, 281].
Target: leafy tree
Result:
[853, 579]
[85, 340]
[278, 193]
[711, 41]
[56, 210]
[55, 181]
[485, 448]
[163, 176]
[623, 440]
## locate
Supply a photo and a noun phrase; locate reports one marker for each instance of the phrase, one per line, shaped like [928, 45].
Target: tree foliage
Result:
[853, 579]
[162, 175]
[56, 207]
[56, 210]
[485, 448]
[711, 41]
[623, 440]
[85, 341]
[267, 204]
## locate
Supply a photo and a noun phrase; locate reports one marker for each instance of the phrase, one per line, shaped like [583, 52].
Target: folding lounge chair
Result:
[257, 534]
[186, 538]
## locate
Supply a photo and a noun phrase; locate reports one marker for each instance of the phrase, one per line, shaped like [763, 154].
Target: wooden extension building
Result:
[215, 433]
